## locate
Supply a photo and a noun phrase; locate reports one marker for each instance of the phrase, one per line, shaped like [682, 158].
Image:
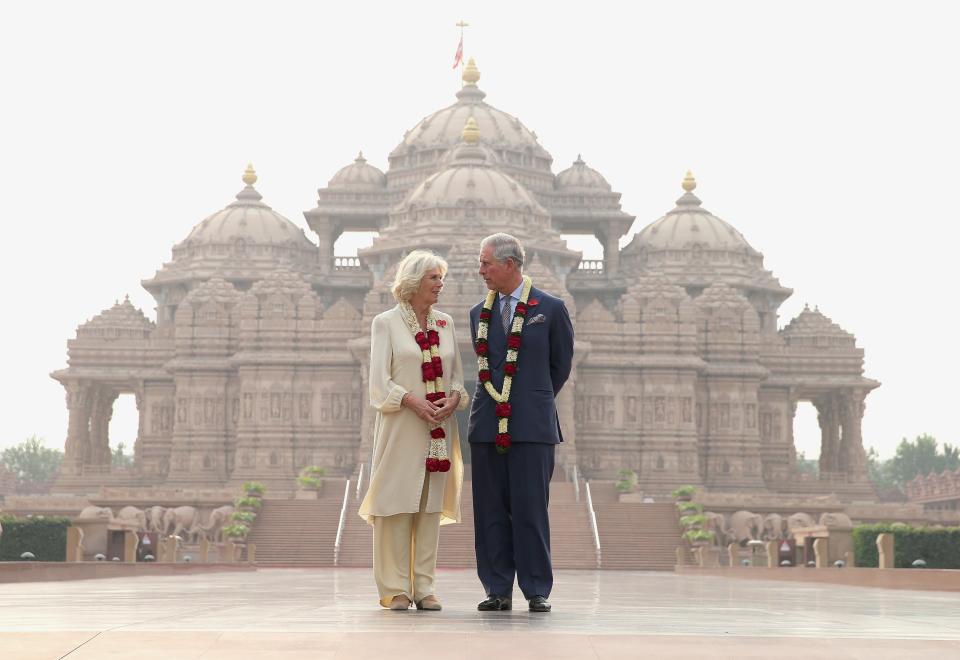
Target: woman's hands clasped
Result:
[435, 413]
[424, 409]
[447, 406]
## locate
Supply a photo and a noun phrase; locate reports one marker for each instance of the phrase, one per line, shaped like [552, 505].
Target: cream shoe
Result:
[400, 602]
[429, 603]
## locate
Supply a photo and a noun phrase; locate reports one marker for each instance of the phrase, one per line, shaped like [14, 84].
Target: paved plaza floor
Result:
[332, 613]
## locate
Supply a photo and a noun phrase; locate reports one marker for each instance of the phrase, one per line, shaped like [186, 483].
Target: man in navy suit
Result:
[511, 491]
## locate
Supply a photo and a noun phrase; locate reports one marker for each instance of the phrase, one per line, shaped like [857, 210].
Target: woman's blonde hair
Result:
[410, 272]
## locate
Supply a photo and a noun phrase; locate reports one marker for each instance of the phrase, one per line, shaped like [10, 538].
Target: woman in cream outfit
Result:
[405, 503]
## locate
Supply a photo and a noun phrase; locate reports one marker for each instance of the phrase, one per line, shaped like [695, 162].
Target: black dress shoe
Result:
[539, 604]
[494, 603]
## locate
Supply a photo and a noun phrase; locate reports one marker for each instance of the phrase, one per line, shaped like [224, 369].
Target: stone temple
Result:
[256, 363]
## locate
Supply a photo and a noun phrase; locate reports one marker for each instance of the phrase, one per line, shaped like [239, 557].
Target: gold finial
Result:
[249, 176]
[471, 132]
[689, 183]
[471, 74]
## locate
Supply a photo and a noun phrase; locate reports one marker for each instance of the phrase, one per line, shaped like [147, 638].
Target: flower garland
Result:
[502, 409]
[432, 371]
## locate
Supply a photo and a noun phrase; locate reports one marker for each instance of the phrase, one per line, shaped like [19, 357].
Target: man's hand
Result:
[424, 409]
[447, 406]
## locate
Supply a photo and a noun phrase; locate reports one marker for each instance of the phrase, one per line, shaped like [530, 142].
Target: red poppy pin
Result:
[532, 302]
[441, 323]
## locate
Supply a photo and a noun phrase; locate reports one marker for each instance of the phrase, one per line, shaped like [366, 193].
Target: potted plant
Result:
[253, 489]
[243, 517]
[627, 482]
[236, 532]
[693, 521]
[698, 537]
[248, 503]
[684, 493]
[689, 507]
[310, 482]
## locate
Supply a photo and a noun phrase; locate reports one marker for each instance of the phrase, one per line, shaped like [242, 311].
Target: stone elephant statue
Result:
[182, 521]
[833, 519]
[774, 527]
[155, 519]
[133, 515]
[717, 523]
[219, 517]
[799, 520]
[97, 512]
[745, 526]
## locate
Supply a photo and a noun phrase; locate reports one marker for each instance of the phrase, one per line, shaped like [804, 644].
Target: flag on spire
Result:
[458, 57]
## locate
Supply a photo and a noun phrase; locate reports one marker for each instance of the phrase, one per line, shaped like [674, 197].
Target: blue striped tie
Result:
[505, 315]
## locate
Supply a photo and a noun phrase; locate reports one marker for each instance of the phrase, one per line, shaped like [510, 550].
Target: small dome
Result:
[580, 177]
[246, 222]
[359, 175]
[687, 225]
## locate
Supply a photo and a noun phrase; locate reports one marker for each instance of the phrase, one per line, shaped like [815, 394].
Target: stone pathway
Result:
[332, 613]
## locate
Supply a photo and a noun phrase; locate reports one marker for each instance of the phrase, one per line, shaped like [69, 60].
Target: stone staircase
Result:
[632, 536]
[638, 536]
[571, 540]
[299, 531]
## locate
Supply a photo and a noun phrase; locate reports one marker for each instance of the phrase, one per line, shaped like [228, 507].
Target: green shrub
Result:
[695, 520]
[310, 482]
[46, 538]
[627, 482]
[689, 507]
[938, 546]
[236, 530]
[313, 471]
[245, 517]
[254, 488]
[695, 535]
[249, 502]
[684, 492]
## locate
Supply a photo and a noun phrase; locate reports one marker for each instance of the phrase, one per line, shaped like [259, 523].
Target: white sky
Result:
[826, 132]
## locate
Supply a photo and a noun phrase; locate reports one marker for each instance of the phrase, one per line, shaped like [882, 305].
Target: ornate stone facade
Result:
[256, 365]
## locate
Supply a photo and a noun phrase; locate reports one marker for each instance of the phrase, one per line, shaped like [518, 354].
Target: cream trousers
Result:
[405, 552]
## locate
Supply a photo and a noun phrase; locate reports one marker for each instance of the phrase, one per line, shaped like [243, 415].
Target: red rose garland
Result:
[431, 369]
[502, 409]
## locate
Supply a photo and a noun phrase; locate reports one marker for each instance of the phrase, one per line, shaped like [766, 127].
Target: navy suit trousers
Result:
[511, 494]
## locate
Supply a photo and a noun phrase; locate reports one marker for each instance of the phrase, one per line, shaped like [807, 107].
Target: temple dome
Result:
[247, 219]
[688, 225]
[359, 175]
[501, 131]
[580, 177]
[473, 178]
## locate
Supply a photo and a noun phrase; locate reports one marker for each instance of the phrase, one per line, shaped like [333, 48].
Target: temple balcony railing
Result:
[591, 267]
[346, 264]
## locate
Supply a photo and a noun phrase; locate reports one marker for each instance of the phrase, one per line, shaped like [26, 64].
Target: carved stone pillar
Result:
[326, 237]
[829, 420]
[611, 252]
[853, 458]
[78, 428]
[97, 457]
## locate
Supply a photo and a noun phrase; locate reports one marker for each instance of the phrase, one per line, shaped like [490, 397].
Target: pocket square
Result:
[539, 318]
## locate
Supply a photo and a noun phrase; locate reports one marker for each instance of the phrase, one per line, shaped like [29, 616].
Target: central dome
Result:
[423, 147]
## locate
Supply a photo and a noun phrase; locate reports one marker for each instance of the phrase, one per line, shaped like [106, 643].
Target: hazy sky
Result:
[826, 132]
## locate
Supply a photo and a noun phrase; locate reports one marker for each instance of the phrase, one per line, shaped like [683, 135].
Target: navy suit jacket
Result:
[543, 365]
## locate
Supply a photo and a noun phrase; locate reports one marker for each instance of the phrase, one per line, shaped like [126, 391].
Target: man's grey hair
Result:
[505, 247]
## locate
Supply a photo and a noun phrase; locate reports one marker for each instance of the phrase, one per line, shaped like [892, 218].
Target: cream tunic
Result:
[401, 440]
